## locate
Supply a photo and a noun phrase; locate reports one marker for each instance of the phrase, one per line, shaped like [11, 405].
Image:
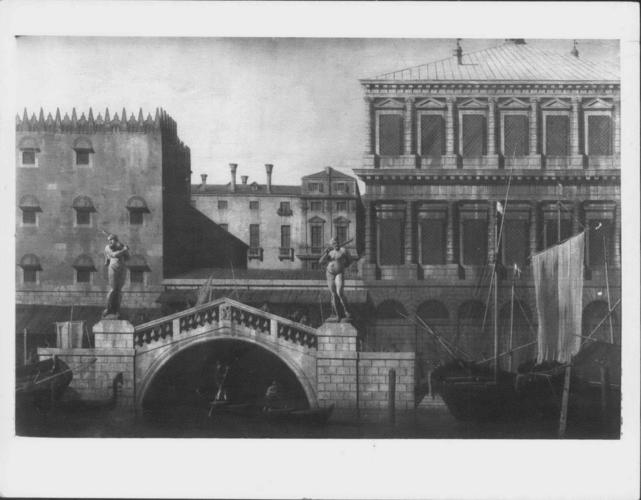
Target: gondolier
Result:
[338, 260]
[116, 254]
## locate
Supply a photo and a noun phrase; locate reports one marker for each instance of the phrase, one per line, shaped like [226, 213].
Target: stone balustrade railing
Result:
[222, 310]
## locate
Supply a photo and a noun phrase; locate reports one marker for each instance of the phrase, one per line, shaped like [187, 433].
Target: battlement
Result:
[88, 124]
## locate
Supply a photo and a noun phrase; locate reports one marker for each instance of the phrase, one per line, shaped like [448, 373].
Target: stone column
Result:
[369, 125]
[576, 160]
[450, 158]
[450, 233]
[409, 230]
[535, 156]
[409, 148]
[369, 231]
[491, 136]
[533, 224]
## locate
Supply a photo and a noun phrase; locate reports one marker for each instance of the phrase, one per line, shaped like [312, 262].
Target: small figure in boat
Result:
[273, 396]
[338, 260]
[220, 376]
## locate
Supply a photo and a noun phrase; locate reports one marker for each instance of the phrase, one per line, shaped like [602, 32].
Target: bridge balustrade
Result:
[225, 310]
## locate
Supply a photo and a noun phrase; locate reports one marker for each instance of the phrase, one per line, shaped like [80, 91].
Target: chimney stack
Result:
[232, 168]
[268, 168]
[204, 178]
[459, 52]
[575, 51]
[244, 178]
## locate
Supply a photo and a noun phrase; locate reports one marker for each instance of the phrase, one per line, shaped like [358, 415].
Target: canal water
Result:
[190, 422]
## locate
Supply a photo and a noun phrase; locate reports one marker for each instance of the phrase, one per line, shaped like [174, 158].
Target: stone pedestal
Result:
[113, 333]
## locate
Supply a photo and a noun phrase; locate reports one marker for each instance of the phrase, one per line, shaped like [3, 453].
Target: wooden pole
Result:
[563, 419]
[391, 396]
[511, 342]
[607, 287]
[24, 346]
[496, 327]
[605, 392]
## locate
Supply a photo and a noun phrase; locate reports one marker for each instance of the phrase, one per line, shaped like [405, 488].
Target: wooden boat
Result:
[39, 385]
[92, 405]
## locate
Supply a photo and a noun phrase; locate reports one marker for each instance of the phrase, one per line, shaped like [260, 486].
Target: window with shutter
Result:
[432, 135]
[432, 241]
[285, 236]
[391, 241]
[474, 241]
[600, 242]
[390, 138]
[317, 238]
[473, 135]
[599, 135]
[515, 135]
[254, 236]
[557, 135]
[515, 242]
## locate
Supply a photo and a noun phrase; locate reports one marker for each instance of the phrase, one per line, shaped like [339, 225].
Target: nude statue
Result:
[338, 260]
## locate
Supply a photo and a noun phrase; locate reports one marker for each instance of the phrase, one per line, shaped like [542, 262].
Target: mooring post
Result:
[391, 395]
[605, 392]
[563, 419]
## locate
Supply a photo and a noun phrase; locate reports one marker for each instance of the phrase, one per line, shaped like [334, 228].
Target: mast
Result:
[496, 323]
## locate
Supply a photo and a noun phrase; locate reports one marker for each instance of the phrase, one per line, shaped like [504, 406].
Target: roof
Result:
[245, 190]
[326, 172]
[507, 62]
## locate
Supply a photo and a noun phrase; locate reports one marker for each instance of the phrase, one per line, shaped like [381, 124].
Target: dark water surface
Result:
[190, 422]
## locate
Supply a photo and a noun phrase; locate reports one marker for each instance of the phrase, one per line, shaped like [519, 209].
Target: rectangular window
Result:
[600, 242]
[474, 241]
[222, 204]
[432, 135]
[285, 206]
[551, 233]
[433, 240]
[224, 226]
[253, 205]
[391, 241]
[29, 217]
[28, 157]
[136, 276]
[285, 237]
[557, 135]
[341, 206]
[254, 235]
[82, 157]
[317, 238]
[599, 135]
[473, 135]
[135, 218]
[83, 276]
[390, 135]
[515, 242]
[316, 187]
[515, 135]
[340, 187]
[316, 206]
[83, 218]
[341, 233]
[30, 275]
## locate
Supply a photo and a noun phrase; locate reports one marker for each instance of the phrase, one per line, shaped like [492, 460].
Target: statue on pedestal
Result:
[338, 260]
[116, 253]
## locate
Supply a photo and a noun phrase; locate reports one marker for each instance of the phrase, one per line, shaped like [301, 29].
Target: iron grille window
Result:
[474, 242]
[557, 135]
[82, 157]
[136, 276]
[599, 135]
[432, 135]
[29, 217]
[515, 242]
[253, 205]
[316, 206]
[285, 236]
[474, 139]
[391, 241]
[28, 157]
[341, 233]
[222, 204]
[599, 242]
[432, 241]
[30, 275]
[390, 135]
[317, 238]
[83, 217]
[254, 236]
[515, 135]
[83, 276]
[135, 218]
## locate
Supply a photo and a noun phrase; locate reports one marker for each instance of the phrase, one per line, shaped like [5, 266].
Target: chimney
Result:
[268, 168]
[244, 178]
[575, 51]
[204, 179]
[459, 52]
[232, 168]
[516, 41]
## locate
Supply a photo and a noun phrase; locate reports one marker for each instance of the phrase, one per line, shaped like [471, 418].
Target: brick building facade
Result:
[443, 144]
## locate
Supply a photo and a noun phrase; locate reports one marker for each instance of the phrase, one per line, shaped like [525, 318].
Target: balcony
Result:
[284, 212]
[255, 253]
[285, 253]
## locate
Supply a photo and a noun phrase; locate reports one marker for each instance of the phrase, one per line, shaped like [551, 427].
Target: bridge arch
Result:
[151, 362]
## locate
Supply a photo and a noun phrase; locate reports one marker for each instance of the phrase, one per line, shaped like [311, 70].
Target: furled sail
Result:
[558, 282]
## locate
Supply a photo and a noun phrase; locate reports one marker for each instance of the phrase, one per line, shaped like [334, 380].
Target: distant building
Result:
[79, 178]
[444, 143]
[286, 227]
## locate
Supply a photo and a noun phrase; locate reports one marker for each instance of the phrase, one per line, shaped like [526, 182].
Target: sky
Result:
[294, 102]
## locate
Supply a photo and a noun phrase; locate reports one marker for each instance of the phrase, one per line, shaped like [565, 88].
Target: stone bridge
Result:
[325, 361]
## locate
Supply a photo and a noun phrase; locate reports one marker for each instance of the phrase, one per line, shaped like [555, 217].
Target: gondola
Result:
[39, 385]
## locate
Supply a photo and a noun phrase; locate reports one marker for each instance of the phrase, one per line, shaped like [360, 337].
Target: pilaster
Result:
[450, 158]
[450, 233]
[535, 155]
[533, 226]
[492, 159]
[576, 159]
[369, 125]
[409, 231]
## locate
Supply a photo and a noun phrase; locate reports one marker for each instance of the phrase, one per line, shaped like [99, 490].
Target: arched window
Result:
[137, 207]
[84, 208]
[137, 268]
[84, 152]
[432, 310]
[390, 309]
[30, 207]
[84, 268]
[30, 265]
[28, 152]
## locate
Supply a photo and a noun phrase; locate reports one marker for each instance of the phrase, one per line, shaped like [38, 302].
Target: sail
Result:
[558, 282]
